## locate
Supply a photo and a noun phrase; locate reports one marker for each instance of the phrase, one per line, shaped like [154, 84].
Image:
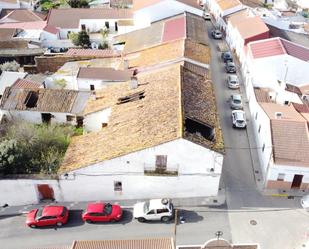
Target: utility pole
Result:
[175, 225]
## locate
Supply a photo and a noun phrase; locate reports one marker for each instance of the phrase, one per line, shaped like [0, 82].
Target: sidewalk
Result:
[206, 202]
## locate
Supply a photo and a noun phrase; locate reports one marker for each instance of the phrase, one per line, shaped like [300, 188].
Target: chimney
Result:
[278, 115]
[133, 83]
[126, 64]
[93, 95]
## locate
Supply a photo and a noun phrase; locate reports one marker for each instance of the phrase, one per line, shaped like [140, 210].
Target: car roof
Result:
[239, 114]
[95, 207]
[227, 53]
[233, 77]
[236, 96]
[156, 203]
[52, 210]
[230, 63]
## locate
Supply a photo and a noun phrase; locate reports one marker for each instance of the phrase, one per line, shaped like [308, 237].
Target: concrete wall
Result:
[96, 182]
[84, 84]
[93, 122]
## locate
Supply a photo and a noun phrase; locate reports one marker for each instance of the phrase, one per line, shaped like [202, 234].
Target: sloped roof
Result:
[277, 46]
[69, 18]
[245, 27]
[47, 100]
[23, 83]
[156, 118]
[6, 34]
[7, 79]
[227, 4]
[262, 95]
[104, 73]
[22, 15]
[290, 137]
[51, 29]
[97, 53]
[24, 25]
[157, 243]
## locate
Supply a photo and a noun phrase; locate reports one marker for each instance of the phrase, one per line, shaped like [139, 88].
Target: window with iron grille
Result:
[161, 162]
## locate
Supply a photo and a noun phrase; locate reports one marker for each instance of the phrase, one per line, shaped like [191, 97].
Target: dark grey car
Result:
[230, 67]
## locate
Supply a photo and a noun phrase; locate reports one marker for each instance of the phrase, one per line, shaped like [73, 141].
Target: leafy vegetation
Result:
[10, 66]
[80, 39]
[78, 3]
[27, 148]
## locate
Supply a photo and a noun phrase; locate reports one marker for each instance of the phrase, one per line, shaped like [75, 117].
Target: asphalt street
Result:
[248, 216]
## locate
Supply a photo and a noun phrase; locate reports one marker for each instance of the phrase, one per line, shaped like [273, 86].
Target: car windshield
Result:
[108, 208]
[240, 121]
[146, 207]
[38, 213]
[237, 101]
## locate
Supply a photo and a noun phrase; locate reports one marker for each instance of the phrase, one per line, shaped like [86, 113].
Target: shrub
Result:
[12, 66]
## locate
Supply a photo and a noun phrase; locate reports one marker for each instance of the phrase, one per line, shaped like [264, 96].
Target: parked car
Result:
[102, 212]
[206, 16]
[47, 216]
[232, 81]
[216, 34]
[156, 209]
[236, 101]
[305, 202]
[226, 56]
[230, 67]
[239, 119]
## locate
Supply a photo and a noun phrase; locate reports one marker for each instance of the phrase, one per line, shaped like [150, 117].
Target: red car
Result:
[100, 211]
[46, 216]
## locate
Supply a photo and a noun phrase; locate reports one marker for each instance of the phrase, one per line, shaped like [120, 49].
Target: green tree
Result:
[78, 3]
[74, 38]
[83, 39]
[12, 66]
[10, 157]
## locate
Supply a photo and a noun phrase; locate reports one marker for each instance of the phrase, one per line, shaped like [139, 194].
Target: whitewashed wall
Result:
[93, 122]
[7, 5]
[96, 182]
[162, 10]
[289, 172]
[24, 192]
[36, 118]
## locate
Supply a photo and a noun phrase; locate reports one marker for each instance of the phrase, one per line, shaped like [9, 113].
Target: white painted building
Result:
[272, 84]
[147, 12]
[221, 8]
[9, 4]
[44, 105]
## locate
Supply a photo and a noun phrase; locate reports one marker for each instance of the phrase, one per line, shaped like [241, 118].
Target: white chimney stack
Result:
[93, 95]
[133, 83]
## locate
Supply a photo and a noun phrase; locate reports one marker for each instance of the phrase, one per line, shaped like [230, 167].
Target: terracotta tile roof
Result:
[290, 142]
[98, 53]
[155, 119]
[245, 27]
[22, 15]
[24, 25]
[47, 100]
[304, 89]
[156, 243]
[51, 29]
[278, 46]
[262, 95]
[69, 18]
[290, 137]
[292, 88]
[301, 108]
[266, 48]
[174, 29]
[296, 50]
[102, 73]
[28, 84]
[6, 34]
[227, 4]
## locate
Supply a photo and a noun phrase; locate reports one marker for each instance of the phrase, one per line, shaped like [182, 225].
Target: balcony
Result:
[152, 170]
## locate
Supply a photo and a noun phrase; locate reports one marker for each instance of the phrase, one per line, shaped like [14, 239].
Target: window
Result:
[280, 177]
[260, 128]
[91, 87]
[0, 96]
[95, 214]
[104, 125]
[286, 102]
[151, 212]
[70, 118]
[256, 115]
[68, 34]
[31, 99]
[107, 25]
[263, 148]
[161, 162]
[200, 129]
[46, 117]
[83, 27]
[163, 210]
[117, 186]
[116, 26]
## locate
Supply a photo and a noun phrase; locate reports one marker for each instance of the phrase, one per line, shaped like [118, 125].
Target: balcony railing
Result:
[153, 170]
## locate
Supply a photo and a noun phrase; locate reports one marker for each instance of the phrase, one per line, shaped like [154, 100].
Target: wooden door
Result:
[297, 180]
[46, 192]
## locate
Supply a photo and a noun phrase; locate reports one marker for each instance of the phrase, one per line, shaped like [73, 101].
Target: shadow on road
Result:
[6, 216]
[188, 216]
